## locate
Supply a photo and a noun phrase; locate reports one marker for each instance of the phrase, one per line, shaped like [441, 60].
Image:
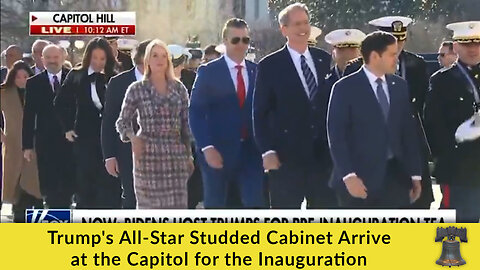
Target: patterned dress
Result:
[161, 173]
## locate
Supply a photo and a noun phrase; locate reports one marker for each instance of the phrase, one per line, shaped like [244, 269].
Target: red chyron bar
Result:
[95, 30]
[82, 23]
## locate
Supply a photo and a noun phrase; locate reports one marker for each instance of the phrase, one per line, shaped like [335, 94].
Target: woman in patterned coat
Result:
[161, 148]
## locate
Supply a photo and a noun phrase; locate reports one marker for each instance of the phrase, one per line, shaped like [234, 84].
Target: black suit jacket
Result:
[449, 103]
[285, 120]
[116, 89]
[3, 74]
[125, 61]
[75, 107]
[39, 112]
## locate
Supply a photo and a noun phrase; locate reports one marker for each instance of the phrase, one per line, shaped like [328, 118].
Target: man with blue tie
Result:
[289, 111]
[220, 119]
[372, 134]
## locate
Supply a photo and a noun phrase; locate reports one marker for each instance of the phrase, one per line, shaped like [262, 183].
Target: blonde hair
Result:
[283, 18]
[169, 73]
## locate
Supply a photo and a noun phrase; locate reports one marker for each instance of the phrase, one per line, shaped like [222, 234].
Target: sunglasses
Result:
[236, 40]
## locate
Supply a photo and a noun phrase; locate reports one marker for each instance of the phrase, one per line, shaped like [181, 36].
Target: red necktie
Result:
[240, 86]
[241, 93]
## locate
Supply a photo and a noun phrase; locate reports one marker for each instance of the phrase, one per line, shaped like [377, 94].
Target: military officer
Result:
[452, 121]
[315, 32]
[346, 47]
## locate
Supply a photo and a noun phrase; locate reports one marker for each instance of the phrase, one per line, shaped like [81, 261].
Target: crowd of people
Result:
[168, 127]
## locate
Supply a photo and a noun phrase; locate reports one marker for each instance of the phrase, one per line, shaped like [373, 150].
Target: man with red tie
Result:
[221, 122]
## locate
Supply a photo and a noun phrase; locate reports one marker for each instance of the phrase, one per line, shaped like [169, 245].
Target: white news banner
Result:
[263, 216]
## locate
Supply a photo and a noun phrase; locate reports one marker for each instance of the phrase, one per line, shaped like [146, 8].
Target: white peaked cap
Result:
[345, 38]
[177, 51]
[465, 32]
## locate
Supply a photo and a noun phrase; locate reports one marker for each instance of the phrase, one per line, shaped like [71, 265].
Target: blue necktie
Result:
[385, 105]
[309, 77]
[382, 98]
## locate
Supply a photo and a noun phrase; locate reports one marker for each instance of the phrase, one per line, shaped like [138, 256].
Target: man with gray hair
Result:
[43, 134]
[37, 49]
[289, 112]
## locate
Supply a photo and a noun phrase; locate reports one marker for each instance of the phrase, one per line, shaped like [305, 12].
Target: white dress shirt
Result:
[37, 70]
[93, 91]
[372, 78]
[138, 74]
[296, 58]
[59, 77]
[233, 73]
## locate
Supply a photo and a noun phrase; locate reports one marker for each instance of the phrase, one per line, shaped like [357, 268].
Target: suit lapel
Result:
[393, 93]
[372, 100]
[251, 79]
[64, 75]
[86, 85]
[290, 69]
[318, 62]
[132, 75]
[225, 73]
[46, 80]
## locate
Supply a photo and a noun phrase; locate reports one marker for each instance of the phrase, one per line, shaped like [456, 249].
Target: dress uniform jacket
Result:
[449, 103]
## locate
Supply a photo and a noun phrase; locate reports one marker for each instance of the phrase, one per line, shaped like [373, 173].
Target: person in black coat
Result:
[289, 117]
[42, 131]
[117, 154]
[80, 105]
[452, 101]
[123, 61]
[413, 69]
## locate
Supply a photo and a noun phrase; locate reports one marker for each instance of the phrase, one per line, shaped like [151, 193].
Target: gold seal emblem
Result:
[397, 26]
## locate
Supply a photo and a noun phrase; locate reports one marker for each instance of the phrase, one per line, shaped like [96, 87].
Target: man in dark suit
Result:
[37, 49]
[118, 155]
[220, 119]
[372, 134]
[42, 131]
[452, 102]
[289, 112]
[413, 69]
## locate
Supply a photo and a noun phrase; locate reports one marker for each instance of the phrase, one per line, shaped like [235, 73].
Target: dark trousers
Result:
[290, 184]
[96, 189]
[247, 175]
[25, 201]
[194, 184]
[56, 171]
[426, 198]
[466, 201]
[125, 166]
[393, 195]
